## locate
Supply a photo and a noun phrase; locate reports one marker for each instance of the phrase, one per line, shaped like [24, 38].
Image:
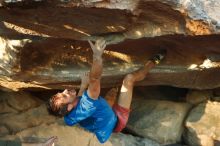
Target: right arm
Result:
[96, 69]
[86, 106]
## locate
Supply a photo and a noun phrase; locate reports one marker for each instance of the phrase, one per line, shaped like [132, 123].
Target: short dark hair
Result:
[55, 109]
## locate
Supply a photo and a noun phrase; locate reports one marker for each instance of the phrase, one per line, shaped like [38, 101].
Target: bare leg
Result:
[126, 92]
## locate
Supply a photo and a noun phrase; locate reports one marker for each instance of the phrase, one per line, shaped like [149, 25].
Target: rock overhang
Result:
[54, 50]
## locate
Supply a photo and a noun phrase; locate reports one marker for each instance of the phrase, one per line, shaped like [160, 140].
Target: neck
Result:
[75, 102]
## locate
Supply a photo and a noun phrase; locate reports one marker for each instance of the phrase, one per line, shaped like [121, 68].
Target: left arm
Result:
[85, 108]
[84, 83]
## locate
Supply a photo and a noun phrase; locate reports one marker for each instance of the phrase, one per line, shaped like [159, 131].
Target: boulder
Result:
[22, 101]
[3, 131]
[217, 91]
[216, 98]
[43, 43]
[202, 125]
[6, 109]
[199, 17]
[161, 121]
[12, 102]
[58, 65]
[161, 93]
[30, 118]
[69, 136]
[197, 96]
[120, 139]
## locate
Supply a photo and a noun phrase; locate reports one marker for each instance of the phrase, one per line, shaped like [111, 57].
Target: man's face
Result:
[67, 96]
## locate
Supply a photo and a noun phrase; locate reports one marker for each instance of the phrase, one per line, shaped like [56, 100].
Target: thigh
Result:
[125, 96]
[126, 91]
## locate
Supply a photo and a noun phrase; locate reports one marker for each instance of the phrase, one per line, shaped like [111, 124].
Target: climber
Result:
[88, 108]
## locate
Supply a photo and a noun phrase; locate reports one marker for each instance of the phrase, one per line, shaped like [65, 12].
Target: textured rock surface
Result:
[43, 45]
[75, 135]
[201, 16]
[14, 102]
[203, 125]
[159, 120]
[161, 93]
[120, 139]
[45, 64]
[43, 42]
[198, 96]
[31, 118]
[216, 96]
[217, 92]
[3, 131]
[5, 108]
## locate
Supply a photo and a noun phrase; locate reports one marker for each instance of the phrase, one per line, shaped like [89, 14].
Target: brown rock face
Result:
[43, 44]
[75, 135]
[156, 120]
[202, 125]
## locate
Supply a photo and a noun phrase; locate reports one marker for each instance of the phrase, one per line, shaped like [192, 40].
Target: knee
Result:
[129, 79]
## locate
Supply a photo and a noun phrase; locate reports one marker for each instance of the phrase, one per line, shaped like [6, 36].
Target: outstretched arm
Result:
[96, 69]
[84, 83]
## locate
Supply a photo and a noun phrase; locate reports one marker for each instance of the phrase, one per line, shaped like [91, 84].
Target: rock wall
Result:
[44, 42]
[152, 122]
[43, 45]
